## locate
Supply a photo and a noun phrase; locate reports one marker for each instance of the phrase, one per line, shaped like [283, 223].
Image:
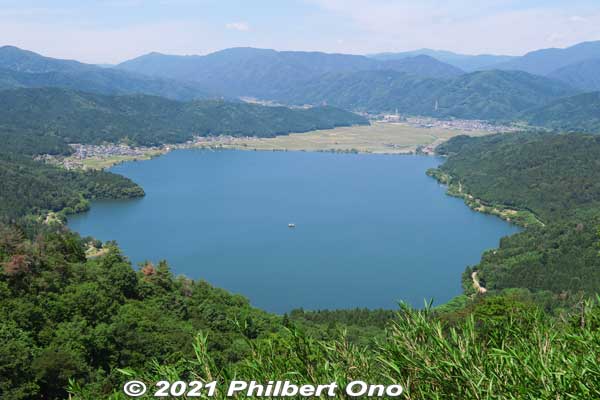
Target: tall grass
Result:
[525, 356]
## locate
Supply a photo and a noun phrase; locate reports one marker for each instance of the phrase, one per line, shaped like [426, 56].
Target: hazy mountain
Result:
[21, 68]
[247, 71]
[267, 73]
[422, 65]
[546, 61]
[77, 117]
[584, 75]
[478, 95]
[464, 62]
[580, 113]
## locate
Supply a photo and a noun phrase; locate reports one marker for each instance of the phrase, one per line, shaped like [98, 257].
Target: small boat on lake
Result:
[291, 225]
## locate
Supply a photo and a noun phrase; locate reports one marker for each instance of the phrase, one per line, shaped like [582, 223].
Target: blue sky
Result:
[110, 31]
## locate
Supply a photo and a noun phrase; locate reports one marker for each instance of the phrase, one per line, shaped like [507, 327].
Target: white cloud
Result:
[577, 18]
[471, 26]
[238, 26]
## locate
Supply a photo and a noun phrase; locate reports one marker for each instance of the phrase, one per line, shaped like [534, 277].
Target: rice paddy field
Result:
[381, 138]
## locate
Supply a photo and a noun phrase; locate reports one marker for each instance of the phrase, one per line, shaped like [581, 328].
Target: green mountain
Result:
[247, 71]
[267, 73]
[31, 187]
[579, 113]
[556, 177]
[38, 119]
[479, 95]
[464, 62]
[546, 61]
[21, 68]
[584, 75]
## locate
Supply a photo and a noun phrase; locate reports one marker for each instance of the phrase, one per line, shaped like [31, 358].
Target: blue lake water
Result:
[370, 229]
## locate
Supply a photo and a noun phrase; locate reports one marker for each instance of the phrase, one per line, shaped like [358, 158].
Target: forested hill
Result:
[557, 177]
[34, 188]
[480, 95]
[22, 68]
[77, 321]
[579, 113]
[266, 73]
[584, 75]
[43, 120]
[552, 175]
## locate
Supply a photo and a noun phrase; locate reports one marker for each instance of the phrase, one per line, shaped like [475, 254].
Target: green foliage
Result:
[32, 187]
[64, 317]
[479, 95]
[555, 177]
[549, 175]
[582, 75]
[571, 114]
[505, 349]
[58, 116]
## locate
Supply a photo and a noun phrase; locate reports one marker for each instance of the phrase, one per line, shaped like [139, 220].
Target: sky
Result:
[111, 31]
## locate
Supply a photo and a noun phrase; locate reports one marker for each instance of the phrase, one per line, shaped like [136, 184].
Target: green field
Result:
[390, 138]
[107, 162]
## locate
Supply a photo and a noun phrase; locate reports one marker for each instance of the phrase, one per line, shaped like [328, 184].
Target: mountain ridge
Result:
[24, 68]
[44, 120]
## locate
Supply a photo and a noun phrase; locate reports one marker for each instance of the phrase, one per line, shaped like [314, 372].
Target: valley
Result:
[377, 138]
[271, 228]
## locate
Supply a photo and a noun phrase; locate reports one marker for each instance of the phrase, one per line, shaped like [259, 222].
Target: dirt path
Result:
[480, 289]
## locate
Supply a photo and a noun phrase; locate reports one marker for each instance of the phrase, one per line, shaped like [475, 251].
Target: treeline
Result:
[554, 176]
[502, 349]
[70, 320]
[44, 120]
[562, 258]
[34, 188]
[73, 309]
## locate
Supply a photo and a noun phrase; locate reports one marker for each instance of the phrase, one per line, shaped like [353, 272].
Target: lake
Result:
[371, 230]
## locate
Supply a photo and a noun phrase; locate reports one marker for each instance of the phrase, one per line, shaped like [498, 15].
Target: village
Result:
[465, 125]
[399, 138]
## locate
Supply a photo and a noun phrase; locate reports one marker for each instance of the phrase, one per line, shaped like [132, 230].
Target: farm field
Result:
[380, 138]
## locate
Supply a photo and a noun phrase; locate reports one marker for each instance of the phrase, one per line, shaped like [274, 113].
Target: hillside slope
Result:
[580, 113]
[465, 62]
[77, 117]
[423, 66]
[546, 61]
[557, 177]
[21, 68]
[267, 73]
[584, 75]
[479, 95]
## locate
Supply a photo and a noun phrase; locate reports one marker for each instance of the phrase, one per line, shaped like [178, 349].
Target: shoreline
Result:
[390, 138]
[101, 163]
[521, 218]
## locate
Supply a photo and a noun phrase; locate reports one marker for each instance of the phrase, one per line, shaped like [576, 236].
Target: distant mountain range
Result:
[389, 81]
[423, 82]
[267, 73]
[556, 63]
[464, 62]
[21, 68]
[494, 95]
[547, 61]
